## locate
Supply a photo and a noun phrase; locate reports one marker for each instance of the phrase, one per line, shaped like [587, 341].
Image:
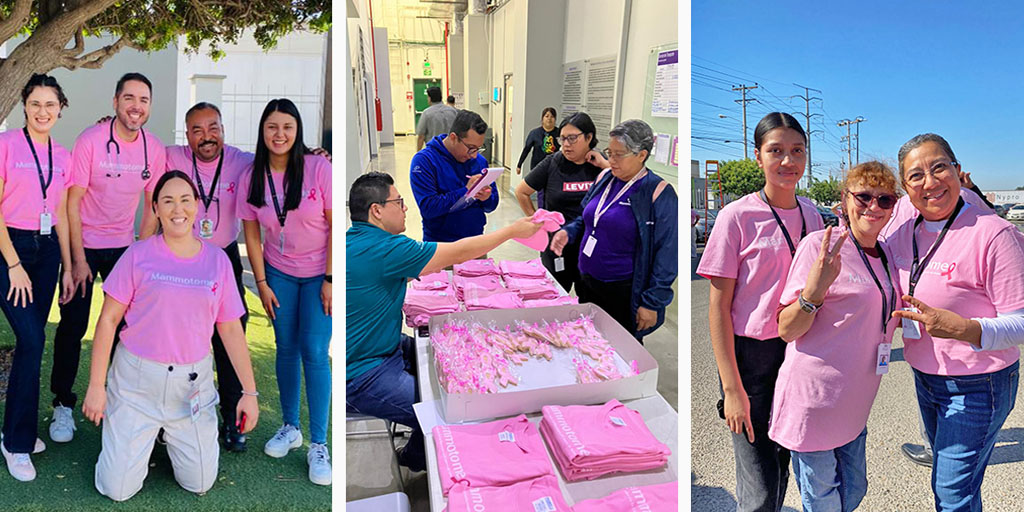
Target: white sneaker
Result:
[19, 465]
[319, 464]
[62, 429]
[40, 446]
[286, 438]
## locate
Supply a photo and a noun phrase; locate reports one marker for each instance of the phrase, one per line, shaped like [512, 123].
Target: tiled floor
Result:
[368, 458]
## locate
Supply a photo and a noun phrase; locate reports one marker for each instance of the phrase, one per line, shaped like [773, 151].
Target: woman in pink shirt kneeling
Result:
[172, 289]
[838, 301]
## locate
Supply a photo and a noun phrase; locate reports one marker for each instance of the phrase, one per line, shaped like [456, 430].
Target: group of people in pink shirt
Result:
[172, 291]
[802, 320]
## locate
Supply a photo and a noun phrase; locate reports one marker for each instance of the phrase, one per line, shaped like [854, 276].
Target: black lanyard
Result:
[888, 304]
[281, 216]
[213, 184]
[803, 222]
[145, 149]
[917, 268]
[44, 184]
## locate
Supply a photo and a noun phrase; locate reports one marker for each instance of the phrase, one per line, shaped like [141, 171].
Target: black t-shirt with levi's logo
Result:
[562, 184]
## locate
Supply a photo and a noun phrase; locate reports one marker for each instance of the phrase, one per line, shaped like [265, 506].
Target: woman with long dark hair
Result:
[542, 140]
[33, 245]
[286, 216]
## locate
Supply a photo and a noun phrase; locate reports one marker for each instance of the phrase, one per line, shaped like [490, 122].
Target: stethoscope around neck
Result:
[145, 149]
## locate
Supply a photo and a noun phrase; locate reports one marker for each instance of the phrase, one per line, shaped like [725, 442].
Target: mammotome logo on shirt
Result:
[637, 500]
[569, 433]
[944, 269]
[768, 242]
[576, 186]
[451, 454]
[187, 282]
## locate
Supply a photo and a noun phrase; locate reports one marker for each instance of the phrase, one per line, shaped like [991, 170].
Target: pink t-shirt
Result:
[977, 272]
[225, 198]
[22, 202]
[495, 453]
[476, 268]
[113, 182]
[173, 303]
[828, 382]
[904, 211]
[635, 499]
[305, 229]
[747, 245]
[539, 494]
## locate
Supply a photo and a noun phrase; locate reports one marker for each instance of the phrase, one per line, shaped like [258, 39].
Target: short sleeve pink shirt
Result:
[977, 272]
[173, 303]
[827, 382]
[22, 201]
[224, 202]
[305, 229]
[747, 245]
[113, 180]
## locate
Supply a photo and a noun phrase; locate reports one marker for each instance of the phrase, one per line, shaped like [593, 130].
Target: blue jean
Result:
[388, 391]
[40, 257]
[832, 480]
[303, 334]
[962, 416]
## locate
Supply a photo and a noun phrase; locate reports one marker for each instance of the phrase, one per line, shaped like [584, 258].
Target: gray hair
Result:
[635, 134]
[918, 140]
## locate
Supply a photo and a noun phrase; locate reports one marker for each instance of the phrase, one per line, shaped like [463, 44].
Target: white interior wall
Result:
[594, 28]
[651, 23]
[354, 81]
[383, 83]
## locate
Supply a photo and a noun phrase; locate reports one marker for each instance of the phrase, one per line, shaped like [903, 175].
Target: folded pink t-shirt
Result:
[435, 281]
[487, 454]
[474, 268]
[529, 288]
[537, 495]
[533, 268]
[541, 303]
[635, 499]
[504, 300]
[487, 282]
[552, 222]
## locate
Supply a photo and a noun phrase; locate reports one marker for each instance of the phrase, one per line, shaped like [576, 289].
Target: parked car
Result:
[1001, 209]
[830, 218]
[705, 224]
[1016, 213]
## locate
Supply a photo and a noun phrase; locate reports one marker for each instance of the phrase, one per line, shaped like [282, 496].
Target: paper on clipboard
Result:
[489, 175]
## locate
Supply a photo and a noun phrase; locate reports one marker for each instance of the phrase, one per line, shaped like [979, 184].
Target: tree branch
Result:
[96, 58]
[18, 18]
[79, 44]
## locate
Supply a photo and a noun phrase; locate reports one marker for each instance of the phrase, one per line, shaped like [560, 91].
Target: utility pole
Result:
[808, 115]
[743, 91]
[849, 148]
[857, 122]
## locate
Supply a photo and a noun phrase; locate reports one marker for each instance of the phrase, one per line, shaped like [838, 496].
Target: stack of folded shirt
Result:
[591, 441]
[435, 281]
[537, 495]
[560, 301]
[503, 300]
[485, 282]
[532, 269]
[473, 268]
[420, 305]
[649, 497]
[532, 289]
[497, 453]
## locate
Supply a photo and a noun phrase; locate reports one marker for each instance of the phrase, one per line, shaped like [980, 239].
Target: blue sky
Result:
[907, 67]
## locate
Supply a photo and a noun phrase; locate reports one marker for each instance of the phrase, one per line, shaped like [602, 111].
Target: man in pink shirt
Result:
[111, 164]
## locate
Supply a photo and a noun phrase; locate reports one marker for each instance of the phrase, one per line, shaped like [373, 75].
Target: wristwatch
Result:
[327, 277]
[807, 306]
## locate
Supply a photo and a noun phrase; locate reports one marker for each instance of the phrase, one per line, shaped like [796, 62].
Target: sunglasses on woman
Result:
[884, 201]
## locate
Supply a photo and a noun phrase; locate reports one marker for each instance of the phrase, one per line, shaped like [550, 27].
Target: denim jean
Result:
[40, 257]
[762, 467]
[962, 416]
[832, 480]
[228, 386]
[302, 333]
[74, 321]
[388, 391]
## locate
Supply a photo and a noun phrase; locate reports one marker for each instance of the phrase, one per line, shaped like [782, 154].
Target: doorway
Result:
[419, 94]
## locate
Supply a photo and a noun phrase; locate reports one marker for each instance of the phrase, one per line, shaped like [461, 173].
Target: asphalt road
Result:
[894, 484]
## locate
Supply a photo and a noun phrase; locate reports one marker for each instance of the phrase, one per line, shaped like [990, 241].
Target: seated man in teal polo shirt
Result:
[380, 372]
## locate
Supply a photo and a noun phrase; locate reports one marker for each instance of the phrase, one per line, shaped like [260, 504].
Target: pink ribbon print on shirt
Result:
[552, 221]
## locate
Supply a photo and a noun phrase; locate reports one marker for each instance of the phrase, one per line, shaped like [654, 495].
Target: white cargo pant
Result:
[144, 396]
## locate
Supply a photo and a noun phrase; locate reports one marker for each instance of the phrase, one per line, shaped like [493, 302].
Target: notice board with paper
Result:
[661, 110]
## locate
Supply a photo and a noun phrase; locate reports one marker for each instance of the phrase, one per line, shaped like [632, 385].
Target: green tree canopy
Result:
[56, 30]
[824, 192]
[740, 177]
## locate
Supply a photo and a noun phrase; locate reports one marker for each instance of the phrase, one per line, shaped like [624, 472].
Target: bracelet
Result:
[258, 281]
[247, 393]
[16, 265]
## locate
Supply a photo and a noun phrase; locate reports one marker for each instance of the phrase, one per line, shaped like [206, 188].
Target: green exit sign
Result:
[427, 68]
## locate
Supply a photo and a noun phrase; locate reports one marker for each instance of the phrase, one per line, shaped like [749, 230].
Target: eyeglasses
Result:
[940, 170]
[471, 149]
[401, 202]
[884, 201]
[617, 155]
[570, 139]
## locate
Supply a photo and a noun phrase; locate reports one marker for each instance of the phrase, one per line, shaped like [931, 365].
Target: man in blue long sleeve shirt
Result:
[443, 172]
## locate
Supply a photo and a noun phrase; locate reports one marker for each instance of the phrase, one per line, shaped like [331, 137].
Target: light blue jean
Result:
[832, 480]
[303, 334]
[962, 416]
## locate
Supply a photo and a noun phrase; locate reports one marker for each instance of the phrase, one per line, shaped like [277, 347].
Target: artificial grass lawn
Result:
[250, 481]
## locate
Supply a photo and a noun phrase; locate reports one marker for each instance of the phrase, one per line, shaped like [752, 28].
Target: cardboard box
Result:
[459, 407]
